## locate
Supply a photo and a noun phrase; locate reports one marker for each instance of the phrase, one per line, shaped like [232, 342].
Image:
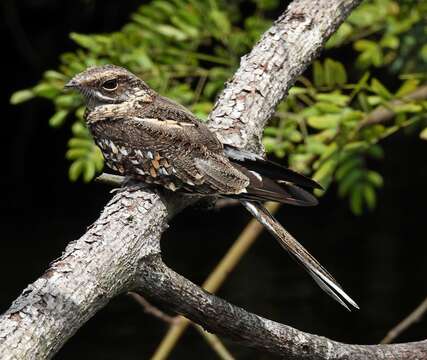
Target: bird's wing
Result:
[188, 150]
[272, 170]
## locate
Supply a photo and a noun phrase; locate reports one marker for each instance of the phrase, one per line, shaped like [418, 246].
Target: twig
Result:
[215, 343]
[215, 279]
[213, 340]
[384, 114]
[151, 309]
[110, 179]
[412, 318]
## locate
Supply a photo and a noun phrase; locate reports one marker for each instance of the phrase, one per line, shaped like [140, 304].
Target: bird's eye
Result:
[110, 85]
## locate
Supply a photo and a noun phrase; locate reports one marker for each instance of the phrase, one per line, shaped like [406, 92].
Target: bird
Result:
[152, 139]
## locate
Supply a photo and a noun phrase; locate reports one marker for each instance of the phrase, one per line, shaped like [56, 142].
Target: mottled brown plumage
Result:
[150, 138]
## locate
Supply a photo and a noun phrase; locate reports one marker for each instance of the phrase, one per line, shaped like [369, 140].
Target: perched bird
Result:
[152, 139]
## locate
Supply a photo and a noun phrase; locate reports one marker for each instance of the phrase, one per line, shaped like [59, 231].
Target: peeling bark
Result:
[121, 251]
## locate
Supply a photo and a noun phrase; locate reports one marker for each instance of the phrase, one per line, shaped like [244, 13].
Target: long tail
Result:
[300, 254]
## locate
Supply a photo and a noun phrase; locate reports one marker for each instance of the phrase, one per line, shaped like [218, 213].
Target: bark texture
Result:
[121, 250]
[220, 317]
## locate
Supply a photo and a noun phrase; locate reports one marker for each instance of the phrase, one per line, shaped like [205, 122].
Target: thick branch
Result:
[222, 318]
[270, 69]
[93, 269]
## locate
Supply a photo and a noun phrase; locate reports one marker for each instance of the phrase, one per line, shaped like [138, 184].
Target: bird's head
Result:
[108, 84]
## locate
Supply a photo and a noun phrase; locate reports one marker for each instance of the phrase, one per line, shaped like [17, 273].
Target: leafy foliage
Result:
[328, 125]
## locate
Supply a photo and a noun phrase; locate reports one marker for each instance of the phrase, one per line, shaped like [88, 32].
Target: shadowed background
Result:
[379, 258]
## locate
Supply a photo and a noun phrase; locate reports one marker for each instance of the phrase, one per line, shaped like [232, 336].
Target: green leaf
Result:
[356, 200]
[295, 136]
[67, 101]
[380, 89]
[54, 75]
[423, 134]
[98, 158]
[221, 21]
[340, 36]
[58, 118]
[346, 167]
[363, 101]
[390, 41]
[270, 144]
[423, 52]
[334, 98]
[339, 73]
[21, 96]
[171, 32]
[371, 53]
[329, 72]
[376, 151]
[407, 108]
[407, 87]
[375, 178]
[297, 90]
[369, 196]
[80, 143]
[326, 107]
[89, 171]
[349, 181]
[318, 74]
[79, 129]
[45, 90]
[86, 41]
[324, 174]
[77, 153]
[76, 169]
[315, 147]
[356, 146]
[324, 121]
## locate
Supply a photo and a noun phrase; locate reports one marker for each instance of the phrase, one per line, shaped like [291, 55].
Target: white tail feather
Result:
[298, 252]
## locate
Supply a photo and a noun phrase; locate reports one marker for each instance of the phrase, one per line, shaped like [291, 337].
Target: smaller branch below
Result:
[216, 279]
[152, 310]
[412, 318]
[160, 283]
[213, 340]
[215, 343]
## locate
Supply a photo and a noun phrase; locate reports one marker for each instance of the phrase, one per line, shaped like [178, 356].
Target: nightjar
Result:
[155, 140]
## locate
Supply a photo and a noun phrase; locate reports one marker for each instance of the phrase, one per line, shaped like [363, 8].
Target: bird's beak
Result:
[72, 84]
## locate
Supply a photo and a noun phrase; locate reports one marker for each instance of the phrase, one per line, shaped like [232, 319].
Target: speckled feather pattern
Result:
[156, 143]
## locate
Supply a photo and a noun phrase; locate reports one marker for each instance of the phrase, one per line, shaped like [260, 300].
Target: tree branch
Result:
[384, 114]
[415, 316]
[220, 317]
[121, 251]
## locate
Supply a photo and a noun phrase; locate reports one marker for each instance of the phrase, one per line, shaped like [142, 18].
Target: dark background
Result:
[380, 258]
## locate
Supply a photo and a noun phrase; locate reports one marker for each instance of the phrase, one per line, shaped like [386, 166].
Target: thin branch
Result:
[110, 179]
[214, 281]
[159, 282]
[152, 310]
[411, 319]
[384, 114]
[214, 342]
